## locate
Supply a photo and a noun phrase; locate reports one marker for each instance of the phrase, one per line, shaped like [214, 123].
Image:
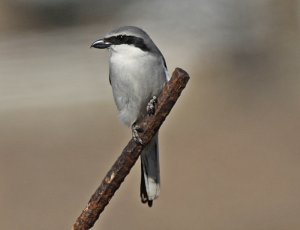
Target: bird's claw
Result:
[136, 129]
[135, 133]
[151, 105]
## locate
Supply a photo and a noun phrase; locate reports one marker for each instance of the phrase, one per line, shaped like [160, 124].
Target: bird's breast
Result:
[135, 77]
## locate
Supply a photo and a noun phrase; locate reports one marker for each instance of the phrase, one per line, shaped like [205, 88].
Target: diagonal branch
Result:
[132, 151]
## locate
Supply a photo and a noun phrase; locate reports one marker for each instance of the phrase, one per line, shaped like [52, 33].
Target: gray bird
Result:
[137, 74]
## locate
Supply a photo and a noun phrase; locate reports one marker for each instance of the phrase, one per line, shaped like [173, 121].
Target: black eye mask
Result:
[129, 40]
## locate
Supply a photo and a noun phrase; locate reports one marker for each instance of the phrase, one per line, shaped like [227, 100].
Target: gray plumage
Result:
[137, 72]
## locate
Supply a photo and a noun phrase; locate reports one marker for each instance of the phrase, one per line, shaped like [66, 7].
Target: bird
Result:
[137, 74]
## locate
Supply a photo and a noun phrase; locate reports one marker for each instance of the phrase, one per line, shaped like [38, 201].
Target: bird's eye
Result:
[121, 37]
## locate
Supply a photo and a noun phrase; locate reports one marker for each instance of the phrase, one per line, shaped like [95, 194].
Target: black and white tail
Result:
[150, 178]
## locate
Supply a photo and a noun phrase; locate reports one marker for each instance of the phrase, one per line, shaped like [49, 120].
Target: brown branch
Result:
[132, 151]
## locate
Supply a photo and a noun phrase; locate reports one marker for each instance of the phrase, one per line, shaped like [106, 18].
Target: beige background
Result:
[229, 149]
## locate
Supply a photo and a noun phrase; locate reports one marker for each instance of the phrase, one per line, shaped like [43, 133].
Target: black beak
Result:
[101, 44]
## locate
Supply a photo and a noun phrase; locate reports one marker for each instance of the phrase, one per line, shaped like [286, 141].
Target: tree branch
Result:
[132, 151]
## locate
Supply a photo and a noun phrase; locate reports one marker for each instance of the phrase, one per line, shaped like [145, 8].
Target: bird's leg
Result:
[151, 106]
[136, 129]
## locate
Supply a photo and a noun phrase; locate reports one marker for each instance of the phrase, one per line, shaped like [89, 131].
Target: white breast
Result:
[135, 77]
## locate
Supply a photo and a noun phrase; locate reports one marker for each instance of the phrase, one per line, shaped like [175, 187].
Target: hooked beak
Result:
[101, 44]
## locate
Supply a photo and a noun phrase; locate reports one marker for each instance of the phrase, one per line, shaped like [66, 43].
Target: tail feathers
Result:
[150, 178]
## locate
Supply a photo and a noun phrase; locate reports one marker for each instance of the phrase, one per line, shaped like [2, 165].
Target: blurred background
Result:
[230, 149]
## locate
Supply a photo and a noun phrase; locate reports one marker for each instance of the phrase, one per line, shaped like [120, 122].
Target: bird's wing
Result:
[166, 69]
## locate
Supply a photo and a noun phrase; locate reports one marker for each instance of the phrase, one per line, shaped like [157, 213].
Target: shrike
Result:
[137, 74]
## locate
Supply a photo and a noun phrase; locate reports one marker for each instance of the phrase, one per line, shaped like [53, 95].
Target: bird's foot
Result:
[151, 105]
[136, 129]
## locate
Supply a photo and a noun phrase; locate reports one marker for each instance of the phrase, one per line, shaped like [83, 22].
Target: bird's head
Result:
[126, 39]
